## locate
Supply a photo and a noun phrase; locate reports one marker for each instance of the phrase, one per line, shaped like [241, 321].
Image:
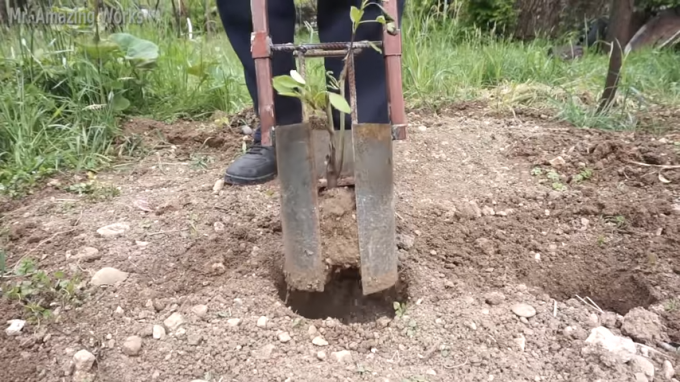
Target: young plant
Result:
[294, 85]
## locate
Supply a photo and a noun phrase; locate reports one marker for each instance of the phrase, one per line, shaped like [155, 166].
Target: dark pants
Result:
[334, 25]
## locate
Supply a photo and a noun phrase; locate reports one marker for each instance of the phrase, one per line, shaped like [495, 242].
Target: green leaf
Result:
[59, 275]
[297, 77]
[375, 47]
[142, 53]
[356, 14]
[285, 84]
[119, 103]
[339, 102]
[202, 69]
[396, 305]
[99, 50]
[381, 19]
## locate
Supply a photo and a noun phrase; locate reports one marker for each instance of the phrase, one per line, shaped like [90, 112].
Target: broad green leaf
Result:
[297, 77]
[356, 14]
[202, 69]
[142, 52]
[284, 84]
[120, 103]
[339, 102]
[381, 19]
[101, 50]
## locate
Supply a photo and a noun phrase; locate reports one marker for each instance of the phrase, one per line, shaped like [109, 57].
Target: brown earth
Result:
[481, 228]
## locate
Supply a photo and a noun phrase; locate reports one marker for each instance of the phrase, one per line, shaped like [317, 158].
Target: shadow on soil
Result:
[343, 299]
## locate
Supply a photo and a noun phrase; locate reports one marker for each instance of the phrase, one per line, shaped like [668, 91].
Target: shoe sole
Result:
[238, 181]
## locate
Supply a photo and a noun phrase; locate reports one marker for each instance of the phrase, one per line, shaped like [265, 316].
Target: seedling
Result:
[583, 175]
[399, 309]
[333, 96]
[536, 171]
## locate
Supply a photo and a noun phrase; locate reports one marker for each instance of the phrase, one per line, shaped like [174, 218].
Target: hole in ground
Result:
[342, 298]
[612, 292]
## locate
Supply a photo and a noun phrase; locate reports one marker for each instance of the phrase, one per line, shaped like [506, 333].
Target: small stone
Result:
[668, 370]
[623, 347]
[343, 356]
[431, 372]
[488, 211]
[194, 339]
[155, 374]
[200, 310]
[319, 341]
[132, 345]
[158, 332]
[521, 342]
[321, 355]
[15, 327]
[180, 332]
[119, 311]
[219, 185]
[83, 360]
[264, 352]
[405, 242]
[494, 298]
[558, 162]
[312, 331]
[234, 322]
[284, 337]
[640, 377]
[262, 322]
[643, 326]
[108, 276]
[88, 254]
[642, 364]
[384, 321]
[218, 227]
[524, 310]
[246, 130]
[422, 128]
[114, 229]
[173, 322]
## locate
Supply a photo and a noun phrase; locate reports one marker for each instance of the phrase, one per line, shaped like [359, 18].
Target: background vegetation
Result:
[62, 97]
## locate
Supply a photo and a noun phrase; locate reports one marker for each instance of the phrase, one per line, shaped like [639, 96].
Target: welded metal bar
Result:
[290, 47]
[326, 53]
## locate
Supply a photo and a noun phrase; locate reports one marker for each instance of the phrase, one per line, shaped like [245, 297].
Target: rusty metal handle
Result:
[261, 51]
[395, 91]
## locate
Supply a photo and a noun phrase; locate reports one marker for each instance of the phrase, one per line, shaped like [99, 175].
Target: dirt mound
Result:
[491, 212]
[338, 226]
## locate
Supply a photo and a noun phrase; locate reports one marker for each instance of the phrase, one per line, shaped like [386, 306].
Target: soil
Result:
[338, 228]
[492, 211]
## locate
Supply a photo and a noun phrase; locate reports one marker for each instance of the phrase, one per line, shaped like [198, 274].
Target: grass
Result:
[56, 113]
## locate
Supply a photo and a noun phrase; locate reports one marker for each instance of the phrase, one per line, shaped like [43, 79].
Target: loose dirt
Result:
[492, 211]
[338, 226]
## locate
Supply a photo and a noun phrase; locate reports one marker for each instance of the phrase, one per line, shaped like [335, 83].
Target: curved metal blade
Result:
[303, 267]
[374, 187]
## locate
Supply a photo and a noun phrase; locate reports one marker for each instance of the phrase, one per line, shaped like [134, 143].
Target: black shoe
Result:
[256, 166]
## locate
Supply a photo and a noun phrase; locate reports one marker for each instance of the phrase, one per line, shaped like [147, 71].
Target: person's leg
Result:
[258, 165]
[336, 26]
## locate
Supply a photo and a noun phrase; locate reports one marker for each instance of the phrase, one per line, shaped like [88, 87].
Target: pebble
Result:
[422, 128]
[643, 326]
[173, 322]
[668, 370]
[557, 162]
[234, 322]
[247, 130]
[284, 337]
[119, 311]
[312, 331]
[15, 327]
[642, 364]
[405, 241]
[319, 341]
[180, 332]
[194, 339]
[343, 356]
[88, 254]
[132, 345]
[384, 321]
[155, 374]
[494, 298]
[219, 227]
[321, 355]
[114, 229]
[108, 276]
[219, 185]
[524, 310]
[200, 310]
[158, 332]
[262, 322]
[264, 352]
[83, 360]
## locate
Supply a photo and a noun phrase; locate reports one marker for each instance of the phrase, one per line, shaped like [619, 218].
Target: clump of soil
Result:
[338, 228]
